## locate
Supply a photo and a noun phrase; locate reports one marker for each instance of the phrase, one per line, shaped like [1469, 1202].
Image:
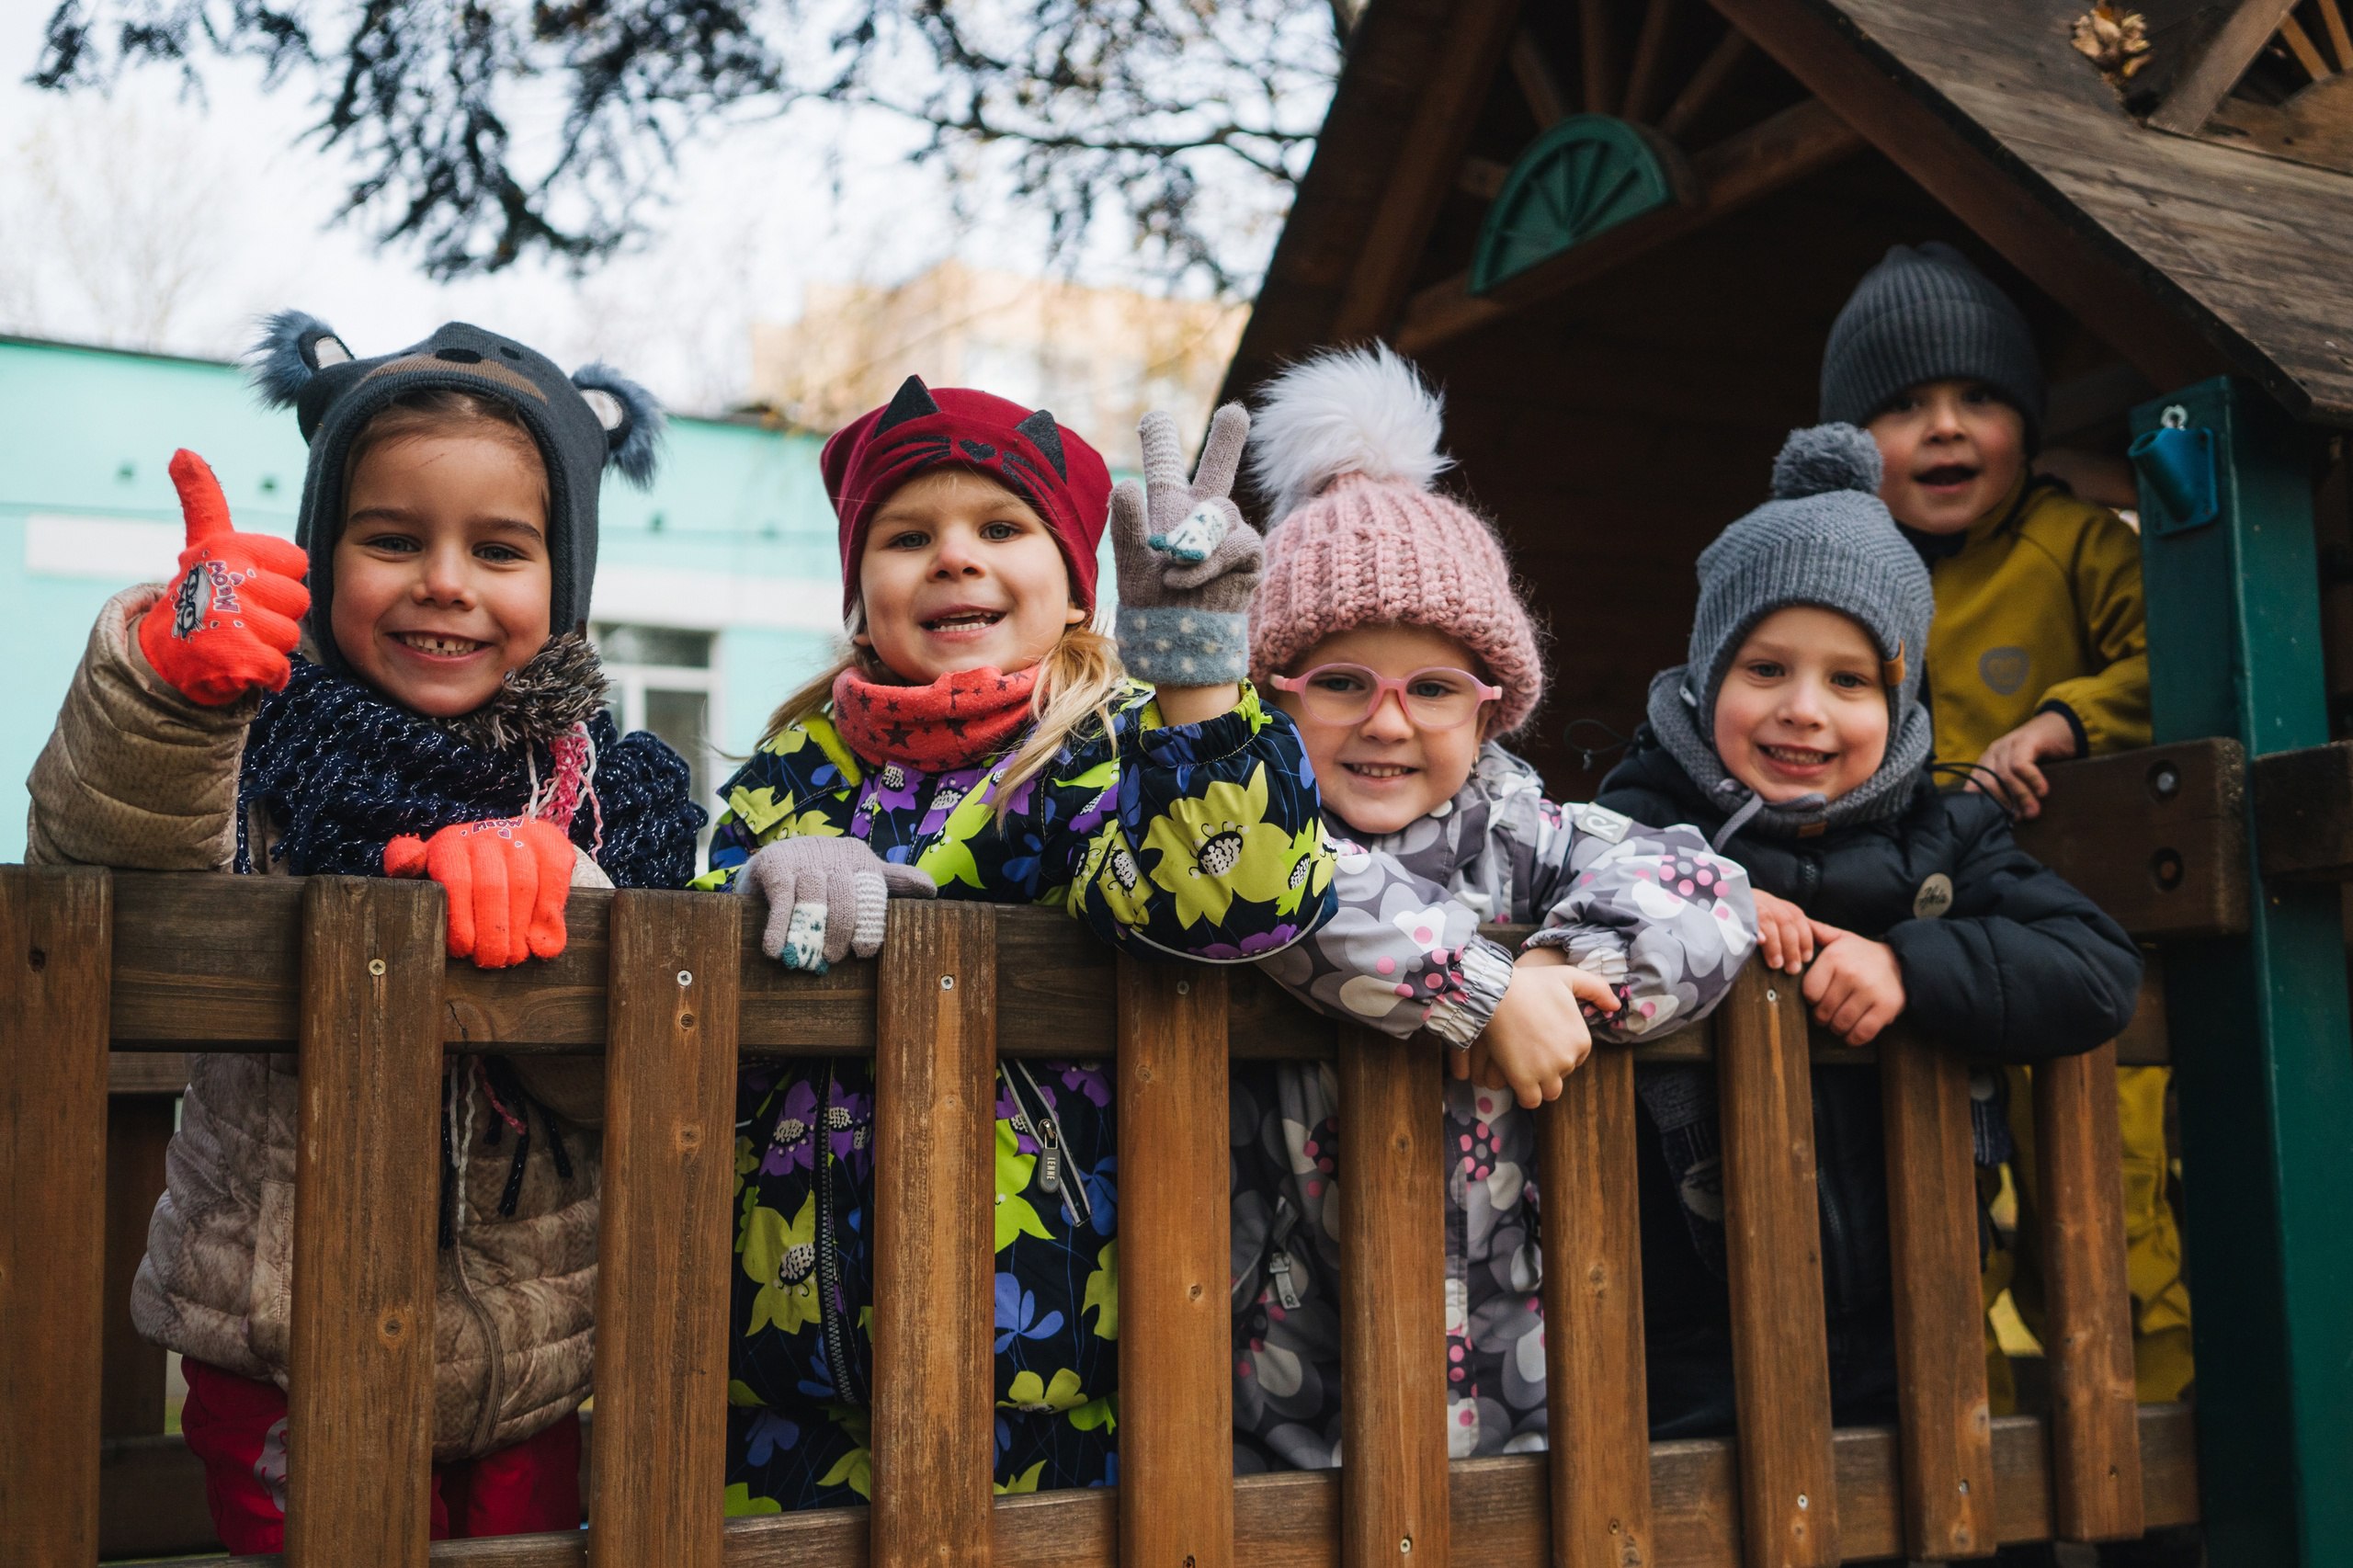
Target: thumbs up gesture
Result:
[229, 623]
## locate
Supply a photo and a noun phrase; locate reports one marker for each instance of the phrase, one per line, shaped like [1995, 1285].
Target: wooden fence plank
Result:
[934, 1110]
[138, 1129]
[1292, 1520]
[1393, 1303]
[2096, 1451]
[663, 1253]
[367, 1189]
[1781, 1353]
[1945, 1420]
[56, 955]
[1593, 1318]
[1176, 1247]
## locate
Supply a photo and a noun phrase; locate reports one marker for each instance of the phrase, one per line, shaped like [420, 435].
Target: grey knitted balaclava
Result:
[582, 424]
[1926, 314]
[1824, 540]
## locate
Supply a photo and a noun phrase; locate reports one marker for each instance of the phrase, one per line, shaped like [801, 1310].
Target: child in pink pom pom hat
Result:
[1387, 625]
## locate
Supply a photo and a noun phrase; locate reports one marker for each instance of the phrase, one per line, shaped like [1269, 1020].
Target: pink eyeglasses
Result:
[1435, 699]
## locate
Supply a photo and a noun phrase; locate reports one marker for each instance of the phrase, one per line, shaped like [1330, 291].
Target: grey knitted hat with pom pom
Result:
[582, 424]
[1824, 539]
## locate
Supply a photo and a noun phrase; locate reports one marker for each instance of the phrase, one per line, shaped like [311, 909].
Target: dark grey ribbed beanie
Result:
[1926, 314]
[1824, 539]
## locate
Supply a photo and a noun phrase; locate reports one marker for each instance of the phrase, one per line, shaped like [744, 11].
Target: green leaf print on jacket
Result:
[1218, 847]
[1015, 1216]
[783, 1259]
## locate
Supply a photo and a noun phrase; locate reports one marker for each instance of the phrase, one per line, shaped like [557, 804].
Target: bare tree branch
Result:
[1143, 108]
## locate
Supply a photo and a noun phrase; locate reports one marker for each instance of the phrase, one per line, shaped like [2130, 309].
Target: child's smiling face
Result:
[1951, 450]
[442, 579]
[1803, 708]
[1385, 771]
[961, 573]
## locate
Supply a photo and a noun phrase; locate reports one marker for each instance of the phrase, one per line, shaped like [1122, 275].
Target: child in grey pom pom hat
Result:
[1795, 740]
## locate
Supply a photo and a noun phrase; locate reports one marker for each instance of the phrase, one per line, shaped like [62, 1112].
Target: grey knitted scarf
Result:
[1673, 719]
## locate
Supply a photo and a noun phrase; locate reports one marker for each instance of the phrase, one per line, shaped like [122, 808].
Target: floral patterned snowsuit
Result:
[1202, 841]
[1651, 910]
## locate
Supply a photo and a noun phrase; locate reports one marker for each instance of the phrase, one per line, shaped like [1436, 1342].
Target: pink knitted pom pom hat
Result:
[1346, 445]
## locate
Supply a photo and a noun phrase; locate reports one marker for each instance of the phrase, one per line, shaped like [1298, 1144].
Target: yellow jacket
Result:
[2040, 607]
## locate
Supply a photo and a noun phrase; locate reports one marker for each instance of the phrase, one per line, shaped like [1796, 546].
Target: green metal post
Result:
[2262, 1041]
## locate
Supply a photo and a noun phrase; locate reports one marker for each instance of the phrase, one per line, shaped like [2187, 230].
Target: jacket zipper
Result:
[494, 1382]
[1280, 1265]
[829, 1271]
[1052, 1179]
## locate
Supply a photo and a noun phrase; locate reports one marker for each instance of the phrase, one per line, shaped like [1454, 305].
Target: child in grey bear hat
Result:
[1795, 739]
[445, 716]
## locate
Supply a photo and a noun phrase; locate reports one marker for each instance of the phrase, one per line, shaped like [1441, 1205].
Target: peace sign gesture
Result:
[1188, 563]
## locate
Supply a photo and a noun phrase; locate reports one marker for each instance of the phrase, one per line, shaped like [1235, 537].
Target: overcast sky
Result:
[154, 219]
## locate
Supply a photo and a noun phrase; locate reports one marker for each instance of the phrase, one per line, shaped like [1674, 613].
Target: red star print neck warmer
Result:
[954, 722]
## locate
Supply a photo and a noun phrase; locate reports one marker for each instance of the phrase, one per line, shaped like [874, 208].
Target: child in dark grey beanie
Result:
[1795, 739]
[2041, 649]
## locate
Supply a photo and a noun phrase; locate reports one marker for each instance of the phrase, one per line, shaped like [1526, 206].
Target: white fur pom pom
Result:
[1348, 410]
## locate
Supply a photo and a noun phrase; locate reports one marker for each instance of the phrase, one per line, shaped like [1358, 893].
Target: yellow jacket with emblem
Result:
[2039, 609]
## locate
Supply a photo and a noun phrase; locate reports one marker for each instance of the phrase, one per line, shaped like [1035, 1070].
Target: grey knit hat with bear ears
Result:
[582, 424]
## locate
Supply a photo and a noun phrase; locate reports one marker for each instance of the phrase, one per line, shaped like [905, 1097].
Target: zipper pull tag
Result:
[1279, 1266]
[1049, 1162]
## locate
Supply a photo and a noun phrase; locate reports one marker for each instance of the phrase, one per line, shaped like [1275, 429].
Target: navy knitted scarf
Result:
[341, 772]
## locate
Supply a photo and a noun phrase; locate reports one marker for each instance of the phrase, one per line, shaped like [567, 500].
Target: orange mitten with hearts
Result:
[507, 879]
[229, 624]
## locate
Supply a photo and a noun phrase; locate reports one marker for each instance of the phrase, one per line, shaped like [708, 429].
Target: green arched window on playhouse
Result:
[1588, 174]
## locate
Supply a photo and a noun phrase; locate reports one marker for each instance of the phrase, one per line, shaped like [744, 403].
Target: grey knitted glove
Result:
[1188, 563]
[826, 898]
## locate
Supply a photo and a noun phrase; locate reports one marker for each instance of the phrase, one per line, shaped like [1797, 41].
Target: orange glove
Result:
[507, 879]
[230, 624]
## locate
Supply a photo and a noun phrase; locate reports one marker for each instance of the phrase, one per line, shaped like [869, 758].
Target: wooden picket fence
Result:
[349, 975]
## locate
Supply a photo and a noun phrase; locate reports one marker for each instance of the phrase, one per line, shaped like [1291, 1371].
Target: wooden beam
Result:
[1788, 1488]
[1650, 56]
[154, 1505]
[1706, 82]
[1392, 1305]
[1481, 178]
[2067, 254]
[56, 926]
[1731, 175]
[2304, 814]
[1594, 56]
[2220, 64]
[2299, 44]
[1424, 172]
[1546, 101]
[935, 1107]
[2095, 1430]
[2332, 17]
[2157, 838]
[367, 1195]
[1600, 1398]
[663, 1252]
[138, 1129]
[1175, 1254]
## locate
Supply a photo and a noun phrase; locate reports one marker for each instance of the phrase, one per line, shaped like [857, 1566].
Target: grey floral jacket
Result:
[1651, 910]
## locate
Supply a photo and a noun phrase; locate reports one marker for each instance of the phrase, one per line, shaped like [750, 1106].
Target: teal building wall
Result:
[732, 545]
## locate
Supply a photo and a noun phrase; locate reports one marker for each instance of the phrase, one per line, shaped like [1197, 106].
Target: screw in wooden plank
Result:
[376, 967]
[685, 977]
[948, 982]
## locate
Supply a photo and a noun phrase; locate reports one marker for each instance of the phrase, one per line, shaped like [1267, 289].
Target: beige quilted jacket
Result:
[136, 776]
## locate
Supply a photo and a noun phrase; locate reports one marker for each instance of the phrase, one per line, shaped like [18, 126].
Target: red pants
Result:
[237, 1428]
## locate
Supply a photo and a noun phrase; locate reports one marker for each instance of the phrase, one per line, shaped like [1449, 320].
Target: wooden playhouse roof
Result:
[2184, 255]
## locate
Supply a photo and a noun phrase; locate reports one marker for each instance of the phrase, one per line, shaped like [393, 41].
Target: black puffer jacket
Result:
[2001, 960]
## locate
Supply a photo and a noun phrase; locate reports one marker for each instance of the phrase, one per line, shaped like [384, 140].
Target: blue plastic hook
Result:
[2178, 489]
